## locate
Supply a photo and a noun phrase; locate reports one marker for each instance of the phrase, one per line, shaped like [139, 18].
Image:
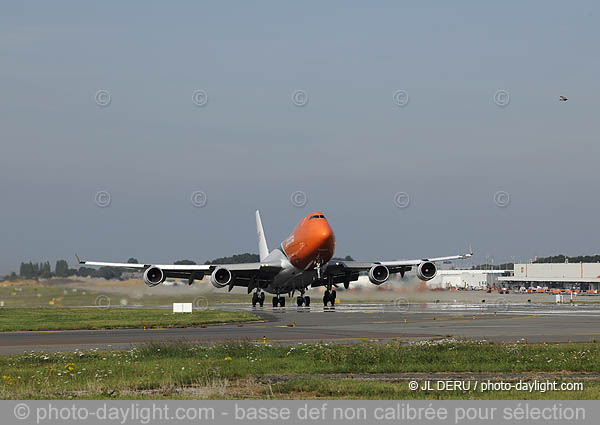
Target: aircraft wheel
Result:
[275, 301]
[300, 301]
[254, 299]
[307, 301]
[326, 298]
[332, 297]
[282, 301]
[261, 299]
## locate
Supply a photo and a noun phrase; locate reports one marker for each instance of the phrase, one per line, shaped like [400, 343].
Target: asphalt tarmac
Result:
[347, 323]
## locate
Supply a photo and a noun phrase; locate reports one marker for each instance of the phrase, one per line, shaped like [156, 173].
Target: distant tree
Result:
[346, 258]
[132, 261]
[35, 267]
[185, 263]
[108, 273]
[61, 269]
[45, 270]
[236, 259]
[85, 271]
[26, 270]
[34, 270]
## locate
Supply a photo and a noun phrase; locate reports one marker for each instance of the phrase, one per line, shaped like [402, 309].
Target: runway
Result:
[346, 323]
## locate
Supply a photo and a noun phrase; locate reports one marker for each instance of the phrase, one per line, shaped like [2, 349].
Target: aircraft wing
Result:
[242, 273]
[355, 265]
[348, 271]
[432, 260]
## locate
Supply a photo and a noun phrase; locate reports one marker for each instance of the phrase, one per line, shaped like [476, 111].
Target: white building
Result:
[465, 279]
[585, 276]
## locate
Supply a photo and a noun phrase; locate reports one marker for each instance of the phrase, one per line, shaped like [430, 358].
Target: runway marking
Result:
[456, 319]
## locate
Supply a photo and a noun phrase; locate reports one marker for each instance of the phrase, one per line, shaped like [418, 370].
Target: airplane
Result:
[562, 98]
[302, 260]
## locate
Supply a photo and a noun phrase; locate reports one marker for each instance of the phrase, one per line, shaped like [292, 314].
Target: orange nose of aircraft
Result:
[311, 242]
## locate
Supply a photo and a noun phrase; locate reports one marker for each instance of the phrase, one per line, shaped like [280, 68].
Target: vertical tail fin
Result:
[263, 250]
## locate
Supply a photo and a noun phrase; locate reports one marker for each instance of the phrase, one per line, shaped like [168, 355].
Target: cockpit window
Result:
[316, 216]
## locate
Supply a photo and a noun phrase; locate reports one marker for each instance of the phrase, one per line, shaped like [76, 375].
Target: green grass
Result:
[240, 370]
[89, 294]
[316, 388]
[38, 319]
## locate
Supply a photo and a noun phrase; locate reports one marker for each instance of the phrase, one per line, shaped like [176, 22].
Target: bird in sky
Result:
[562, 98]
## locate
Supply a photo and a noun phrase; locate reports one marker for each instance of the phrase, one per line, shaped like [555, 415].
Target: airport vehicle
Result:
[302, 260]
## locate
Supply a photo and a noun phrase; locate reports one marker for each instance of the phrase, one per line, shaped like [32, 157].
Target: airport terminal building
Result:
[466, 279]
[581, 276]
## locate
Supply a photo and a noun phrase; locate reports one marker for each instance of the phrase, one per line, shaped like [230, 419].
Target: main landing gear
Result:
[258, 298]
[303, 301]
[329, 297]
[278, 301]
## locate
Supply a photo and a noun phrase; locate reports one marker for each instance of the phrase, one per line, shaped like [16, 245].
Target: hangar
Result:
[581, 276]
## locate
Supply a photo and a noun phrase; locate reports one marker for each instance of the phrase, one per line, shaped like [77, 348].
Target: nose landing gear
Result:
[329, 297]
[258, 297]
[279, 301]
[303, 301]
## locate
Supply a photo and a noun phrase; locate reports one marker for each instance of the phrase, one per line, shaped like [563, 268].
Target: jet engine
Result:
[378, 274]
[220, 277]
[426, 270]
[154, 276]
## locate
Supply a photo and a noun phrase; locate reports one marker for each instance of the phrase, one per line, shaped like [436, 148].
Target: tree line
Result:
[43, 270]
[563, 259]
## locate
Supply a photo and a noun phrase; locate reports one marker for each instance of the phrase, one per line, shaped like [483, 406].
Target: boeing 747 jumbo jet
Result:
[302, 260]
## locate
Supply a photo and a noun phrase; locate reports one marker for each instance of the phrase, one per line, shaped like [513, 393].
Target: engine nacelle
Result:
[154, 276]
[378, 274]
[426, 270]
[220, 277]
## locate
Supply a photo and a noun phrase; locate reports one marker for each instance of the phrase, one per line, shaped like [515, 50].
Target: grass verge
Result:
[244, 370]
[38, 319]
[321, 388]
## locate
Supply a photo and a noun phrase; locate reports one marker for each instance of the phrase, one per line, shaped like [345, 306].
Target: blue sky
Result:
[350, 148]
